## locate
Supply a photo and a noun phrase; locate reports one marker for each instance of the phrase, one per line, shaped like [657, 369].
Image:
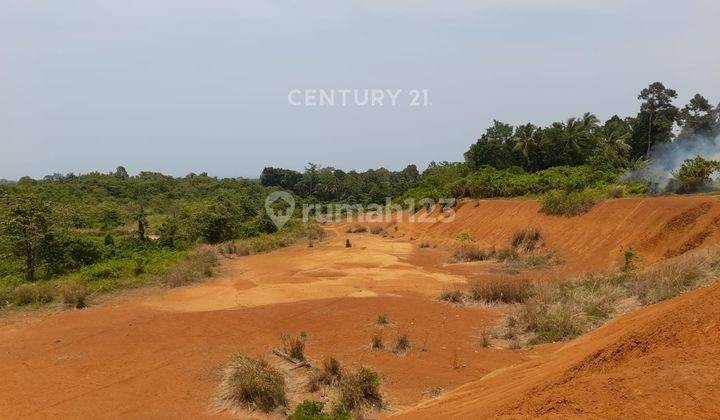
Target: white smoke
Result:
[666, 158]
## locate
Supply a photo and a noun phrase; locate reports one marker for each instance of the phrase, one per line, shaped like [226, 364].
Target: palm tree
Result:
[524, 139]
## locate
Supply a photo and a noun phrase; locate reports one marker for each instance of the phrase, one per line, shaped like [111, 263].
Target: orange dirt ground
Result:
[158, 353]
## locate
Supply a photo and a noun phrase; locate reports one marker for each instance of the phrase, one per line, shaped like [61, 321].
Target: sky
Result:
[179, 86]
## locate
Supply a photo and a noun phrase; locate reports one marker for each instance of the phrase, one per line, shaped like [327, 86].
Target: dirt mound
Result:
[663, 361]
[658, 227]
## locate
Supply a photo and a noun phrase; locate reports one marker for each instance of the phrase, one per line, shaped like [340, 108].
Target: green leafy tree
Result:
[655, 121]
[25, 227]
[494, 148]
[694, 174]
[697, 118]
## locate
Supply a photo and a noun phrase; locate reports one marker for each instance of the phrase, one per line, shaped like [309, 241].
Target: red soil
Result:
[158, 353]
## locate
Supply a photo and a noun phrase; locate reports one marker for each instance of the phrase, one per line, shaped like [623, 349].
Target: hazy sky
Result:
[182, 86]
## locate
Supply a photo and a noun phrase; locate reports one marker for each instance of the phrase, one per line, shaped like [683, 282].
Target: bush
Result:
[294, 346]
[377, 341]
[526, 239]
[360, 389]
[382, 319]
[329, 374]
[313, 410]
[33, 294]
[673, 278]
[251, 383]
[402, 343]
[376, 230]
[196, 266]
[453, 296]
[356, 229]
[468, 252]
[74, 294]
[568, 203]
[615, 191]
[504, 290]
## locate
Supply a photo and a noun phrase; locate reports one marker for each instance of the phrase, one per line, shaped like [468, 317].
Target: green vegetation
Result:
[566, 203]
[695, 174]
[252, 384]
[313, 410]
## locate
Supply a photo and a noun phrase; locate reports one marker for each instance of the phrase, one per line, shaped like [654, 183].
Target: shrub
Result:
[376, 229]
[313, 410]
[453, 296]
[468, 252]
[356, 229]
[402, 343]
[504, 290]
[74, 294]
[294, 346]
[196, 266]
[360, 389]
[33, 294]
[615, 191]
[568, 203]
[630, 259]
[671, 279]
[251, 383]
[485, 337]
[329, 374]
[694, 175]
[526, 239]
[377, 341]
[347, 243]
[382, 319]
[464, 237]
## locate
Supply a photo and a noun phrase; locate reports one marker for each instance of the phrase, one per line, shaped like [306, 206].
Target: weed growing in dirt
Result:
[329, 374]
[453, 296]
[630, 259]
[382, 319]
[196, 266]
[566, 203]
[356, 229]
[347, 243]
[501, 290]
[469, 251]
[74, 294]
[376, 230]
[526, 239]
[360, 389]
[313, 410]
[377, 341]
[402, 343]
[294, 346]
[252, 384]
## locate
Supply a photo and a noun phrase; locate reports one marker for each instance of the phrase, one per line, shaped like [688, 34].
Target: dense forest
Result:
[101, 229]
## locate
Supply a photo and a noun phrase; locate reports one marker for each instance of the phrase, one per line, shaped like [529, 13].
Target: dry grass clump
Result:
[360, 389]
[466, 251]
[526, 239]
[294, 346]
[196, 266]
[329, 374]
[356, 229]
[74, 294]
[251, 384]
[377, 341]
[32, 294]
[453, 296]
[673, 278]
[376, 229]
[501, 290]
[615, 191]
[424, 244]
[234, 248]
[566, 203]
[402, 343]
[533, 260]
[382, 319]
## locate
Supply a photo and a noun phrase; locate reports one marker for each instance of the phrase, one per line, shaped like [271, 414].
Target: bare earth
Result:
[158, 353]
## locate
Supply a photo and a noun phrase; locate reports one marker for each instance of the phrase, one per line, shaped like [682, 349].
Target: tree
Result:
[697, 118]
[612, 149]
[694, 174]
[26, 226]
[121, 173]
[655, 121]
[493, 148]
[525, 141]
[142, 222]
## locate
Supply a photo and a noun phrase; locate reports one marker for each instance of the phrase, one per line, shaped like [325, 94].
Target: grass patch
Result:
[74, 294]
[313, 410]
[377, 341]
[566, 203]
[564, 310]
[382, 319]
[356, 229]
[377, 230]
[402, 343]
[196, 266]
[501, 290]
[294, 346]
[467, 251]
[526, 239]
[455, 296]
[329, 374]
[360, 389]
[251, 384]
